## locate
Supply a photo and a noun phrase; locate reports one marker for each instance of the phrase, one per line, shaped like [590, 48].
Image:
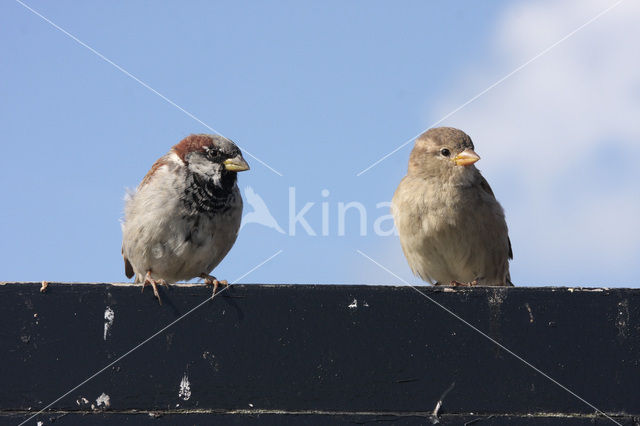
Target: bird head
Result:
[211, 157]
[443, 152]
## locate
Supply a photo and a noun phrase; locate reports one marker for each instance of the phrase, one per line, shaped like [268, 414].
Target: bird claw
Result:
[154, 284]
[459, 284]
[211, 280]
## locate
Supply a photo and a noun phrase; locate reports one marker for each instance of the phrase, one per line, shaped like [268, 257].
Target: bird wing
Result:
[159, 163]
[487, 188]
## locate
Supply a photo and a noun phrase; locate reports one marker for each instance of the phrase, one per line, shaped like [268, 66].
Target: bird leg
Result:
[154, 284]
[211, 280]
[459, 284]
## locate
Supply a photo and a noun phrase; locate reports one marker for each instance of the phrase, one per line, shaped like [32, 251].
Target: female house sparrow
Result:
[184, 216]
[452, 228]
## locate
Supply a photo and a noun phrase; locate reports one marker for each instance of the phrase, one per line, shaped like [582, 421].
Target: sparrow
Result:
[184, 216]
[451, 227]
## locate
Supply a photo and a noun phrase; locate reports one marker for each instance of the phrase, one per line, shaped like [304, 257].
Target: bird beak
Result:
[466, 157]
[236, 164]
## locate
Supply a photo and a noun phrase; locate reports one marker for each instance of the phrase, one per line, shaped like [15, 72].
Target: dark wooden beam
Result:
[318, 354]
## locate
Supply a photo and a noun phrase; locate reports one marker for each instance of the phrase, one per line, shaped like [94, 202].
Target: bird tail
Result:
[508, 281]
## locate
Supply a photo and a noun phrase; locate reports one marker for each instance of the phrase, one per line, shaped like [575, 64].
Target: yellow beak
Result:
[236, 164]
[466, 157]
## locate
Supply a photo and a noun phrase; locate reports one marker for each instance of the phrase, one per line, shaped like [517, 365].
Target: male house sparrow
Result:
[452, 228]
[184, 216]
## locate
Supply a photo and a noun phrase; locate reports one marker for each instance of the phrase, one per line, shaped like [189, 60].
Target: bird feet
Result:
[459, 284]
[211, 280]
[154, 284]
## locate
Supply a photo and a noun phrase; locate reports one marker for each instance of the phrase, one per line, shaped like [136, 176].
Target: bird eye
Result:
[445, 152]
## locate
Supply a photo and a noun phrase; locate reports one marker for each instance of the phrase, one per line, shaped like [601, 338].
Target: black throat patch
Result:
[202, 195]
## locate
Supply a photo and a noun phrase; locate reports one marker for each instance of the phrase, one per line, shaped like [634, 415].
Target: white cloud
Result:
[560, 139]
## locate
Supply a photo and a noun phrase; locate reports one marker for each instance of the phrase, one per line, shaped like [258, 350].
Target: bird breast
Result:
[174, 240]
[430, 220]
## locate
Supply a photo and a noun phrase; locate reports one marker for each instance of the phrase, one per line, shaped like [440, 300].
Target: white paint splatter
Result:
[40, 423]
[353, 304]
[109, 315]
[622, 318]
[185, 388]
[103, 400]
[530, 312]
[496, 299]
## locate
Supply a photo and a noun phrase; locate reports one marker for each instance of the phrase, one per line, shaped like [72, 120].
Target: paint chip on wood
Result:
[103, 401]
[109, 315]
[185, 388]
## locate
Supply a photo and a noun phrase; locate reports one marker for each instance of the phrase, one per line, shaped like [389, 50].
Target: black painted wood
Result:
[105, 419]
[305, 348]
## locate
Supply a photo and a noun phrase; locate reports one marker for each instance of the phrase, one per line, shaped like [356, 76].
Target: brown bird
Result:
[452, 229]
[185, 215]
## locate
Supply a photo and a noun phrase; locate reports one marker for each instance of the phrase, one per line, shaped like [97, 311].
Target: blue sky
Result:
[319, 92]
